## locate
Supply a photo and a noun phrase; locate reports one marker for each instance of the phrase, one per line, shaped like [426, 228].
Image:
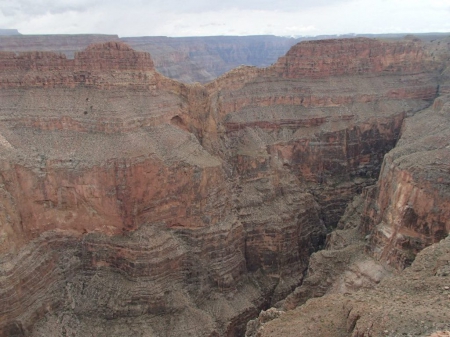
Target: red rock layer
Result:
[47, 69]
[108, 56]
[315, 59]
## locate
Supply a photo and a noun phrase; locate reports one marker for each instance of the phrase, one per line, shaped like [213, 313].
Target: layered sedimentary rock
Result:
[89, 155]
[405, 212]
[408, 209]
[132, 203]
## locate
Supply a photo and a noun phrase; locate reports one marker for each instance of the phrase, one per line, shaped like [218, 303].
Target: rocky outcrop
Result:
[46, 69]
[103, 194]
[186, 59]
[408, 210]
[414, 302]
[133, 202]
[330, 133]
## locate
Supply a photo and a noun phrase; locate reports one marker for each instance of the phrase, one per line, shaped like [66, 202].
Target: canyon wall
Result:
[408, 209]
[135, 204]
[399, 223]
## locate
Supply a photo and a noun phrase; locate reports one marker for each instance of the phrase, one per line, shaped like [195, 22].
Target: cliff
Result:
[105, 194]
[408, 209]
[385, 230]
[130, 200]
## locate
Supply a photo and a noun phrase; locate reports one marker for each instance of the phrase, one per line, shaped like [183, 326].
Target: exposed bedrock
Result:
[408, 209]
[399, 223]
[404, 214]
[413, 302]
[331, 132]
[132, 204]
[186, 59]
[352, 56]
[110, 172]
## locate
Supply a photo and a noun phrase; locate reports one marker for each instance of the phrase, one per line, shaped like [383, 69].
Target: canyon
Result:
[186, 59]
[136, 205]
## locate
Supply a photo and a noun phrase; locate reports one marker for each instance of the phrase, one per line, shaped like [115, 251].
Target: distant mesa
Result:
[7, 32]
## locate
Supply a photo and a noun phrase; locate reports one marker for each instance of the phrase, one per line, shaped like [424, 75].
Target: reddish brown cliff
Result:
[402, 215]
[351, 56]
[101, 180]
[409, 208]
[186, 59]
[47, 69]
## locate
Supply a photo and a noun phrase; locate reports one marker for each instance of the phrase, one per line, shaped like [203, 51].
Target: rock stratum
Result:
[135, 205]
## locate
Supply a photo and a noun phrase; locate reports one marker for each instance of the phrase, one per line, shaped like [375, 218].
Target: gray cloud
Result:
[213, 17]
[41, 7]
[199, 6]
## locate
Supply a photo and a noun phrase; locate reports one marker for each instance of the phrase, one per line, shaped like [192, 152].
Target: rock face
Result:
[351, 56]
[134, 204]
[408, 209]
[415, 302]
[98, 154]
[405, 212]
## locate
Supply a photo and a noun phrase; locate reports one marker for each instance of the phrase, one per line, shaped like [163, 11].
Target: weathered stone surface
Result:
[414, 302]
[325, 58]
[409, 209]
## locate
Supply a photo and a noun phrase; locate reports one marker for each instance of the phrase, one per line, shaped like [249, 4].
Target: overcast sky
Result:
[222, 17]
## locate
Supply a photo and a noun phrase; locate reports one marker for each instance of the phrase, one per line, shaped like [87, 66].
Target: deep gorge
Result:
[136, 205]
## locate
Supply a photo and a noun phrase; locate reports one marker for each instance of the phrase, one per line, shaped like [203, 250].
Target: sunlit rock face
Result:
[131, 202]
